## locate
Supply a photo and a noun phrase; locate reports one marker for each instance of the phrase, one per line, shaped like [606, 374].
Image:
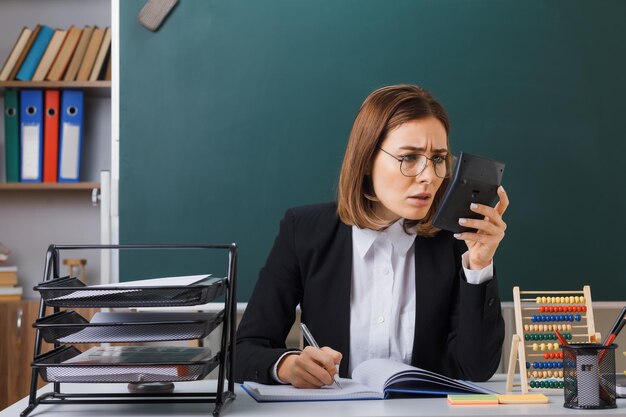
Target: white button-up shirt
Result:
[382, 302]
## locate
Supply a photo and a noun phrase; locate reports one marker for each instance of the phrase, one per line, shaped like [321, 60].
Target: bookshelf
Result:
[90, 88]
[33, 215]
[49, 186]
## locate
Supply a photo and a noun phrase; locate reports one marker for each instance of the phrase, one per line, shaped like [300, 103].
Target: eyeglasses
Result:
[414, 164]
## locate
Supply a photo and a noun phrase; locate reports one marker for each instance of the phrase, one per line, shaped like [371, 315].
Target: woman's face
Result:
[400, 196]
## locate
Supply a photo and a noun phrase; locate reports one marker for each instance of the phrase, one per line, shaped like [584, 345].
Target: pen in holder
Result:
[589, 375]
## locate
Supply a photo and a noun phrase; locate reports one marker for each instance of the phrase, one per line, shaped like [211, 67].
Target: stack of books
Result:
[47, 54]
[9, 290]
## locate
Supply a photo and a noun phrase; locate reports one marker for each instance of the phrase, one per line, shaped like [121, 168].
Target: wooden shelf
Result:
[48, 186]
[91, 88]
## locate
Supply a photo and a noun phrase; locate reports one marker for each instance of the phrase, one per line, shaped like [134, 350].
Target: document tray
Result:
[52, 369]
[71, 292]
[71, 327]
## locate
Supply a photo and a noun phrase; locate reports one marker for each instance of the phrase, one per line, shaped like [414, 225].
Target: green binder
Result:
[12, 135]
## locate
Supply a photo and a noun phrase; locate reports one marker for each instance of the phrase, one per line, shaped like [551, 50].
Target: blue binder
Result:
[71, 135]
[27, 70]
[31, 135]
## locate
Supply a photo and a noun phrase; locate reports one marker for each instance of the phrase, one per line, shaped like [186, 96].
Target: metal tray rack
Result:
[71, 292]
[52, 368]
[64, 326]
[71, 327]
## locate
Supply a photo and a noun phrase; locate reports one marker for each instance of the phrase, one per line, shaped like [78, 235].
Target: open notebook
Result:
[375, 379]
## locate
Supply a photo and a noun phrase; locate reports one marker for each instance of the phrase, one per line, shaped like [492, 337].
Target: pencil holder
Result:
[589, 376]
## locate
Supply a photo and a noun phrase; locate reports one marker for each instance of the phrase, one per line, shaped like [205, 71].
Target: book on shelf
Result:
[90, 54]
[105, 46]
[62, 61]
[22, 39]
[107, 74]
[79, 54]
[20, 60]
[49, 55]
[374, 379]
[27, 70]
[10, 293]
[8, 276]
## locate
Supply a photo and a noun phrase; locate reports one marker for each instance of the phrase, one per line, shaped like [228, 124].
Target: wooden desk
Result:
[245, 406]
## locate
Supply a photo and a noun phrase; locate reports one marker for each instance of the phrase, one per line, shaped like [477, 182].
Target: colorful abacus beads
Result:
[547, 365]
[544, 374]
[572, 299]
[562, 309]
[554, 317]
[544, 346]
[545, 336]
[547, 327]
[546, 384]
[553, 355]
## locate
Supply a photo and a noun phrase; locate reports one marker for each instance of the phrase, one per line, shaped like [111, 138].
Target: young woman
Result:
[372, 275]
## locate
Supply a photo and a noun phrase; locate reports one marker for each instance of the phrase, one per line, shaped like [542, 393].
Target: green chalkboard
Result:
[236, 110]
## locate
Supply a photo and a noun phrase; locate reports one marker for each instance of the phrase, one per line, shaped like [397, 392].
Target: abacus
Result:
[535, 344]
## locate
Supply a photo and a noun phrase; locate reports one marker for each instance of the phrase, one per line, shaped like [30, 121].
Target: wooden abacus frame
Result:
[583, 331]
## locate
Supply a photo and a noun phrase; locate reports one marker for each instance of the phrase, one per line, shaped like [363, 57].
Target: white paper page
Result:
[156, 282]
[30, 152]
[69, 151]
[375, 372]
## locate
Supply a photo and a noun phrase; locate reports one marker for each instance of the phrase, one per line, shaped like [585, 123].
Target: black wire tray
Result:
[71, 292]
[52, 369]
[71, 327]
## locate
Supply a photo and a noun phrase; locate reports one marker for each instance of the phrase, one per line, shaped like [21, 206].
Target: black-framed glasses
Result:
[414, 164]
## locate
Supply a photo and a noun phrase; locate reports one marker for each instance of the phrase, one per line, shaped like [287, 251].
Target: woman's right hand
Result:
[312, 368]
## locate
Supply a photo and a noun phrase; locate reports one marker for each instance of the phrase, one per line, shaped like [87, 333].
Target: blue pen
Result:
[311, 341]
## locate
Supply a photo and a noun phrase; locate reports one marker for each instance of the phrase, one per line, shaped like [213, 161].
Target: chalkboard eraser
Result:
[154, 13]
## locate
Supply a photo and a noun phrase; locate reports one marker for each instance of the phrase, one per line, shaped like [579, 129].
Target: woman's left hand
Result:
[483, 243]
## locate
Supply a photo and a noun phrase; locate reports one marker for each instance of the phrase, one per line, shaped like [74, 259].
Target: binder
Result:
[51, 136]
[34, 55]
[31, 135]
[12, 135]
[71, 134]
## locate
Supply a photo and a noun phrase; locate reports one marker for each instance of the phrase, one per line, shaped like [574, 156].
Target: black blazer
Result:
[458, 326]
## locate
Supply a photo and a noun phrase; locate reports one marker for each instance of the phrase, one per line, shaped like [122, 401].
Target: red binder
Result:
[51, 136]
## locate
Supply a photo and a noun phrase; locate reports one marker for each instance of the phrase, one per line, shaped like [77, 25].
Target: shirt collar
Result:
[364, 238]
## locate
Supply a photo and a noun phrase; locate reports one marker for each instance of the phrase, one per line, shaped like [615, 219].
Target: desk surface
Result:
[245, 406]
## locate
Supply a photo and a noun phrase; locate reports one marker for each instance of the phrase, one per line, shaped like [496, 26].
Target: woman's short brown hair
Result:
[382, 111]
